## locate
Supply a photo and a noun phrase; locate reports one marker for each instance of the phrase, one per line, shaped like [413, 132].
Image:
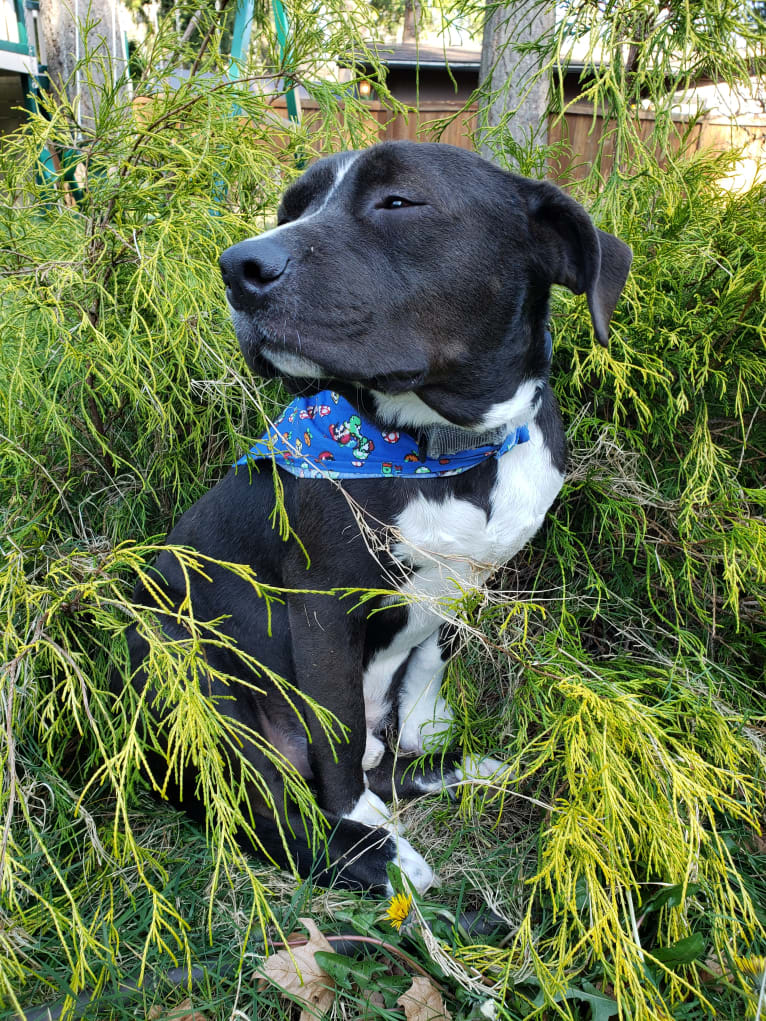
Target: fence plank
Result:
[582, 133]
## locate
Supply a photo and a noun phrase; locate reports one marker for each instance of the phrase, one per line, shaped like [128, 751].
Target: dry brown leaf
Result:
[759, 840]
[183, 1012]
[712, 972]
[423, 1002]
[297, 972]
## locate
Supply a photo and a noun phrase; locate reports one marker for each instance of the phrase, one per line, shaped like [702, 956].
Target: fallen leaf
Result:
[183, 1012]
[759, 839]
[296, 972]
[711, 971]
[423, 1002]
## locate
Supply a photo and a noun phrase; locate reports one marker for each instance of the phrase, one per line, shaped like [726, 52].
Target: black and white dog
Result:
[412, 280]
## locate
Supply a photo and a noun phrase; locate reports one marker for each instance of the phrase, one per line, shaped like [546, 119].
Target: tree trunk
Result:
[63, 27]
[505, 74]
[411, 19]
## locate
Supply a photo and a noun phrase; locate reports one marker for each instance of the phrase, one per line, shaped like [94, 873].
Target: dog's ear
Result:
[578, 255]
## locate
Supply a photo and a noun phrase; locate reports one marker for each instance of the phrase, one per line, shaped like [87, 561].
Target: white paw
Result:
[373, 752]
[413, 866]
[370, 810]
[420, 733]
[481, 770]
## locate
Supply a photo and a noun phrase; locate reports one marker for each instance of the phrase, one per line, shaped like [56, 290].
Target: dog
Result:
[409, 285]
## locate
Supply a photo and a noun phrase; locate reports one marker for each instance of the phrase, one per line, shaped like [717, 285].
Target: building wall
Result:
[431, 85]
[11, 99]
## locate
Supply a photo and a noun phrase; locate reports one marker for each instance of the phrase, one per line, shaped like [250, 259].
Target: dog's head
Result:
[417, 269]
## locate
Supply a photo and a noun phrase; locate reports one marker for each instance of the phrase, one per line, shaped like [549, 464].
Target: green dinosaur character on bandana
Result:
[350, 430]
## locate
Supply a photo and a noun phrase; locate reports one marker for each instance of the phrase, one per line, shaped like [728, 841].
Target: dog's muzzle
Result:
[252, 269]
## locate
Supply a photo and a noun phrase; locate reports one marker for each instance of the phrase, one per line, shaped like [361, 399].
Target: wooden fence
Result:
[583, 132]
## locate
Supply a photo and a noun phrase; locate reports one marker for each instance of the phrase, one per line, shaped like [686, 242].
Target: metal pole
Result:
[283, 33]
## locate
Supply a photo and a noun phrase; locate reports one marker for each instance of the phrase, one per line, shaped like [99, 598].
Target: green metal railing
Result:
[240, 44]
[22, 46]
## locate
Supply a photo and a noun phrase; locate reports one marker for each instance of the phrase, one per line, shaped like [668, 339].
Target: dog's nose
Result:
[251, 268]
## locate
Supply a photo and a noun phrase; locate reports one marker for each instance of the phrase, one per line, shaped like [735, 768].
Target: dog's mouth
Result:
[262, 347]
[297, 366]
[311, 360]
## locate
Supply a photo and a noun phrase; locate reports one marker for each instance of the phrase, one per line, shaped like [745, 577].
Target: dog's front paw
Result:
[372, 811]
[421, 732]
[412, 865]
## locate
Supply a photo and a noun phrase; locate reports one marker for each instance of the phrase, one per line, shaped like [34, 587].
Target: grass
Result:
[616, 665]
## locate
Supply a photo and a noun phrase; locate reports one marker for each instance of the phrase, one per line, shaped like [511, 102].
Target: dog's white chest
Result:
[448, 546]
[454, 542]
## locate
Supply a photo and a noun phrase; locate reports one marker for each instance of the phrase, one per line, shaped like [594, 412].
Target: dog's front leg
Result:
[327, 647]
[327, 644]
[424, 716]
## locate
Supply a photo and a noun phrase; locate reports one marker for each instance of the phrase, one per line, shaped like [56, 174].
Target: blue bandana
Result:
[325, 437]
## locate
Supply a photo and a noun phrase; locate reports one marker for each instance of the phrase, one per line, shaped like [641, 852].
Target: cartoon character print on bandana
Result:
[345, 432]
[324, 436]
[313, 410]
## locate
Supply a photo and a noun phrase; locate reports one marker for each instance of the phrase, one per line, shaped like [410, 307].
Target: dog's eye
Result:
[395, 202]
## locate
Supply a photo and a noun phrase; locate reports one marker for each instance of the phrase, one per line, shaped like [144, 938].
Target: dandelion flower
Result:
[753, 971]
[399, 909]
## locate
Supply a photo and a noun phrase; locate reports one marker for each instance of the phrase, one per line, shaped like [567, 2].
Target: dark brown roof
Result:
[425, 55]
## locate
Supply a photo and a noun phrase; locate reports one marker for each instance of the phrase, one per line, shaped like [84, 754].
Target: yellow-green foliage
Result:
[617, 668]
[122, 400]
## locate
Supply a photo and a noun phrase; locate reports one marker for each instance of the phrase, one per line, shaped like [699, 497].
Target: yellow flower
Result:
[753, 970]
[399, 909]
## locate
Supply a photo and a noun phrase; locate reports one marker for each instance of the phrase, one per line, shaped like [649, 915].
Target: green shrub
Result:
[630, 634]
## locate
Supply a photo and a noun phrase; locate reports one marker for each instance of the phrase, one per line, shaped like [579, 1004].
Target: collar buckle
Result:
[443, 440]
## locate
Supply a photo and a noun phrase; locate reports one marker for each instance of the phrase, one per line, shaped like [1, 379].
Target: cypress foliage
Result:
[617, 665]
